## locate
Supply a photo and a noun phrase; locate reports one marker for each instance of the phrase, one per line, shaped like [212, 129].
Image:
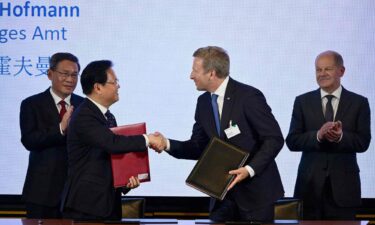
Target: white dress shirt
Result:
[335, 105]
[335, 100]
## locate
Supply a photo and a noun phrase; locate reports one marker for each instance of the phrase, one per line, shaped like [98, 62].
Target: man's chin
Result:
[199, 88]
[68, 91]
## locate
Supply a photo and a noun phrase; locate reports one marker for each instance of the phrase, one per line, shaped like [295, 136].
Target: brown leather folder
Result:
[210, 174]
[133, 163]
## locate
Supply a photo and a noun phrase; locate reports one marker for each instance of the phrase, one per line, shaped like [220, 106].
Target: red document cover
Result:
[133, 163]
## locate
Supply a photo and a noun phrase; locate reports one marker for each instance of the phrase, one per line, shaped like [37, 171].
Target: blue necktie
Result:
[111, 120]
[329, 109]
[215, 109]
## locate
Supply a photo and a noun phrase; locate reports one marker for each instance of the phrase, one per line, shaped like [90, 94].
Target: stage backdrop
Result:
[272, 46]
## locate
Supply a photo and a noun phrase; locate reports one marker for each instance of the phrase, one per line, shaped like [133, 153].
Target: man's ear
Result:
[97, 88]
[49, 74]
[213, 74]
[342, 69]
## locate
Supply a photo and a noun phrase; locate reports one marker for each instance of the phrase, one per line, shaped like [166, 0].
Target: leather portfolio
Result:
[210, 174]
[132, 163]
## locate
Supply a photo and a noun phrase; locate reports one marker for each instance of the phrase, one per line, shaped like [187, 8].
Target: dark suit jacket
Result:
[337, 160]
[260, 136]
[40, 134]
[89, 187]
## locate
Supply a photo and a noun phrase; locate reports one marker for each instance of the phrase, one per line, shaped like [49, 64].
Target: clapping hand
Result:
[334, 134]
[66, 119]
[330, 131]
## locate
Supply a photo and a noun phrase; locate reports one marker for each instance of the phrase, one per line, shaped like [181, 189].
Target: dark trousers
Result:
[327, 208]
[35, 211]
[228, 210]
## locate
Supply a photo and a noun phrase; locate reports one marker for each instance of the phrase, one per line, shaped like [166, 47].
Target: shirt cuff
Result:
[168, 147]
[250, 170]
[61, 131]
[146, 140]
[340, 137]
[317, 137]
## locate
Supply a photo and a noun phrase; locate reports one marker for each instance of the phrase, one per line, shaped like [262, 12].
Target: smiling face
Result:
[64, 78]
[199, 75]
[110, 88]
[328, 73]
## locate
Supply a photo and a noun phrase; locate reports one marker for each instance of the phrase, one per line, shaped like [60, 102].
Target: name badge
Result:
[232, 130]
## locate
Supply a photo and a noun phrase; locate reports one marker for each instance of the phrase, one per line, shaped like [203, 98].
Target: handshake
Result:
[330, 131]
[157, 142]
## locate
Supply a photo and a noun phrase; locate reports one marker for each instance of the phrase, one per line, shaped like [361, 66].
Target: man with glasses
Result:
[44, 120]
[89, 193]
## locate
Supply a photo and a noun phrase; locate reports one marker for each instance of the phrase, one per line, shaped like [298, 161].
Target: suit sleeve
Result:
[358, 138]
[92, 131]
[264, 124]
[35, 135]
[193, 148]
[299, 138]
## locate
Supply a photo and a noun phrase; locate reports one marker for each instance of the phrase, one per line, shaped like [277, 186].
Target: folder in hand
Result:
[210, 174]
[130, 164]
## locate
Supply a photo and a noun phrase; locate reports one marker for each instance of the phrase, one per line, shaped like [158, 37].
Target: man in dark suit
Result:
[243, 119]
[329, 125]
[89, 193]
[44, 118]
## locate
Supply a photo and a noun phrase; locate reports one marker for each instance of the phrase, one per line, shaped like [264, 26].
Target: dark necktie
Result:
[62, 103]
[111, 120]
[329, 109]
[215, 109]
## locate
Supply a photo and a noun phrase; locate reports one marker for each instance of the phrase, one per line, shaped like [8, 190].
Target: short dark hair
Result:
[338, 59]
[214, 58]
[95, 72]
[61, 56]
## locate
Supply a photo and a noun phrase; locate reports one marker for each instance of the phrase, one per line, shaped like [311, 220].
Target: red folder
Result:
[133, 163]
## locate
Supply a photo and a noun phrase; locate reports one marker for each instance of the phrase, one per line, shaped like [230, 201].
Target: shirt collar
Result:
[101, 108]
[57, 99]
[220, 91]
[336, 93]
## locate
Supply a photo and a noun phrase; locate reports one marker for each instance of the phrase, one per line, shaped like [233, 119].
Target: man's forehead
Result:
[66, 63]
[198, 61]
[325, 59]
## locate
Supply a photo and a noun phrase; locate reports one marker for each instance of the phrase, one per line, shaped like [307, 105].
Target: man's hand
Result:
[157, 142]
[334, 134]
[133, 183]
[66, 119]
[324, 130]
[241, 174]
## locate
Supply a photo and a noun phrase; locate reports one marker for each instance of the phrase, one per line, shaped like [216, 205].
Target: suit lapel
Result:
[208, 114]
[316, 108]
[96, 111]
[228, 103]
[344, 104]
[52, 108]
[74, 100]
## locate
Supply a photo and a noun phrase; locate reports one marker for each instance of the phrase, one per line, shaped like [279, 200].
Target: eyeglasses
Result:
[65, 75]
[115, 82]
